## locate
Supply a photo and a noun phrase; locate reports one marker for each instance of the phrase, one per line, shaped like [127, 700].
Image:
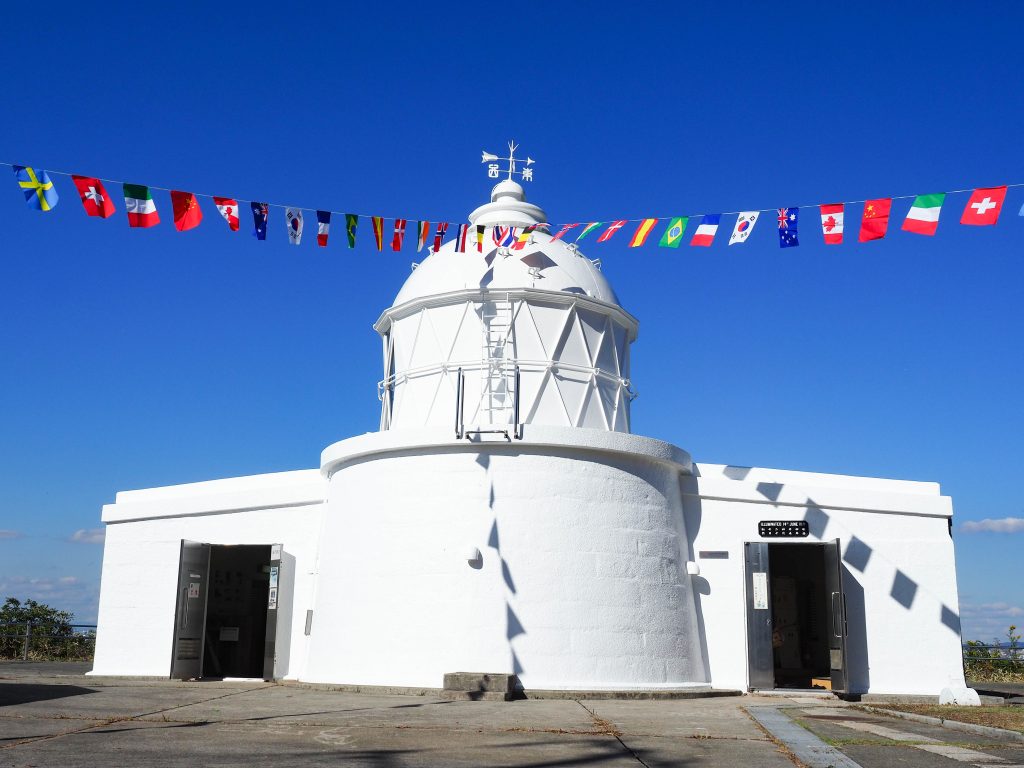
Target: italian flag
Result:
[138, 202]
[923, 218]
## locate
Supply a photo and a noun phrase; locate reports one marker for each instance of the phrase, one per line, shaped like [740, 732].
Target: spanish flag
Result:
[640, 236]
[378, 231]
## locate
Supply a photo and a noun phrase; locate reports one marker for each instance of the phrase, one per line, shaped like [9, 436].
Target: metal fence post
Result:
[28, 639]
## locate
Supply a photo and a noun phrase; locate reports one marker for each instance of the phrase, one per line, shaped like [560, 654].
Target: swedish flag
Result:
[38, 189]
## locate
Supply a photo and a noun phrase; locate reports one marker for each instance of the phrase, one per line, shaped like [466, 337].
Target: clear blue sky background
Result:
[135, 358]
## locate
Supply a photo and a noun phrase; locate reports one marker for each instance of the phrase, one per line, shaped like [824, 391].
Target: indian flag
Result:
[138, 202]
[923, 218]
[588, 229]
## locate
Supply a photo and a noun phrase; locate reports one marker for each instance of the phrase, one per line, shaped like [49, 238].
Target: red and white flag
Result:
[614, 227]
[565, 228]
[442, 227]
[95, 199]
[832, 223]
[460, 238]
[984, 206]
[228, 208]
[399, 236]
[422, 233]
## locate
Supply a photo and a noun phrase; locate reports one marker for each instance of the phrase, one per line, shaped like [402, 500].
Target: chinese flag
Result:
[187, 213]
[95, 199]
[876, 219]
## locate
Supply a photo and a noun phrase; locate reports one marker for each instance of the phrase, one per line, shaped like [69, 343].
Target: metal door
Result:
[273, 599]
[837, 616]
[190, 616]
[760, 658]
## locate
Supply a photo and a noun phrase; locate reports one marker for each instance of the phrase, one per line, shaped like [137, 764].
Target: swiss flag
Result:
[95, 199]
[984, 206]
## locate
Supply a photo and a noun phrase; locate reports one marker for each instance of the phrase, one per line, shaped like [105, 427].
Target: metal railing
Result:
[47, 640]
[993, 653]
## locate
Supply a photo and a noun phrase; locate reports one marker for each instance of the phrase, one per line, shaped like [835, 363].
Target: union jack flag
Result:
[503, 235]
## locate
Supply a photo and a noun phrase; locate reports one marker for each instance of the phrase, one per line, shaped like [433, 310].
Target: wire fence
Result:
[47, 641]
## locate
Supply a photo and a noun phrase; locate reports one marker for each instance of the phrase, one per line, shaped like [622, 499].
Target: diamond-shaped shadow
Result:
[857, 554]
[904, 589]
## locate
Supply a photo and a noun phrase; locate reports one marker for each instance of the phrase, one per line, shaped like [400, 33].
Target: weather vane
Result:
[494, 170]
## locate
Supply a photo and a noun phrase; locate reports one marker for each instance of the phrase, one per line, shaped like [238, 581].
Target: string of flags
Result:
[982, 209]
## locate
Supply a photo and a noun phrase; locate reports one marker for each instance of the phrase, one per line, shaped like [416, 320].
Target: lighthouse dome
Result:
[543, 263]
[491, 337]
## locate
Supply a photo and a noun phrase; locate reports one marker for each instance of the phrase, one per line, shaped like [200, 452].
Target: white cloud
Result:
[65, 593]
[989, 621]
[9, 534]
[89, 535]
[1005, 525]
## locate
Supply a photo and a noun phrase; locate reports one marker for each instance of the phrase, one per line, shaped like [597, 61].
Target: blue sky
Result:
[139, 358]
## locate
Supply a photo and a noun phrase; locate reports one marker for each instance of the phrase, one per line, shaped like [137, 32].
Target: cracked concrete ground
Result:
[48, 719]
[81, 721]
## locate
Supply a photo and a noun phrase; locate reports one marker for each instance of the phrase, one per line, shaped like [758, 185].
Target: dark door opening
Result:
[796, 616]
[236, 611]
[800, 622]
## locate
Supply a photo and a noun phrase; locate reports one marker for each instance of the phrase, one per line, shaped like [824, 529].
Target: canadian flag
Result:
[832, 223]
[228, 208]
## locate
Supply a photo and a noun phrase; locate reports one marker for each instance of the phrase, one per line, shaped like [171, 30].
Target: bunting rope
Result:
[34, 192]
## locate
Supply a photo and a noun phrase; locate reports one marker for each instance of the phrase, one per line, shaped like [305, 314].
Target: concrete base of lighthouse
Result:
[560, 558]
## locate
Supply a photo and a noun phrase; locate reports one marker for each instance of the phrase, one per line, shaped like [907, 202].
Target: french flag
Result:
[706, 230]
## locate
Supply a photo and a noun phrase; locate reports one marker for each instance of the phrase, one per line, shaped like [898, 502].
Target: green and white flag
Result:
[138, 202]
[923, 218]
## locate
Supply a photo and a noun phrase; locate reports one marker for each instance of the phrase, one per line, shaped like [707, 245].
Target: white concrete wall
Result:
[140, 560]
[582, 583]
[904, 629]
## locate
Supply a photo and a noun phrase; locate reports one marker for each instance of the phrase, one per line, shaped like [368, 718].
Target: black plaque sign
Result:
[783, 529]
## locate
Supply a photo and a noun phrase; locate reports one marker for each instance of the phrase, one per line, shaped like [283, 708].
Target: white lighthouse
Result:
[504, 519]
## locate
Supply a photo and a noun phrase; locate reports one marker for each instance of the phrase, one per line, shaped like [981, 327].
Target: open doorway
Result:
[227, 611]
[236, 611]
[800, 651]
[796, 617]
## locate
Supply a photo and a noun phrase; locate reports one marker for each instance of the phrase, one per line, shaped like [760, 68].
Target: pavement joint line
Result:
[804, 745]
[117, 719]
[956, 725]
[612, 731]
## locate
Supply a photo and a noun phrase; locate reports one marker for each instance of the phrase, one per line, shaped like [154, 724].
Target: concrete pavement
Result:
[70, 721]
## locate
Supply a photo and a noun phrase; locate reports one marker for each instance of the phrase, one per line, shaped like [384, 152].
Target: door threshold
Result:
[793, 692]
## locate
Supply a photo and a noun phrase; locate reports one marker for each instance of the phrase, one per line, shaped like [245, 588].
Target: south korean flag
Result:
[293, 217]
[744, 226]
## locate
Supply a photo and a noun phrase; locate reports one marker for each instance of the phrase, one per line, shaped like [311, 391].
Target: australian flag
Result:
[260, 213]
[787, 227]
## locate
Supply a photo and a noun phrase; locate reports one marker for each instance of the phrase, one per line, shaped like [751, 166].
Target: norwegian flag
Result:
[396, 241]
[460, 238]
[442, 228]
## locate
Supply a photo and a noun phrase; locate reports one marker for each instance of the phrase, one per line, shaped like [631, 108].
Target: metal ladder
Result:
[498, 382]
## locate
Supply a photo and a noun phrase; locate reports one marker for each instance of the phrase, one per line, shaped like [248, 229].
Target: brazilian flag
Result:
[351, 220]
[39, 192]
[674, 233]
